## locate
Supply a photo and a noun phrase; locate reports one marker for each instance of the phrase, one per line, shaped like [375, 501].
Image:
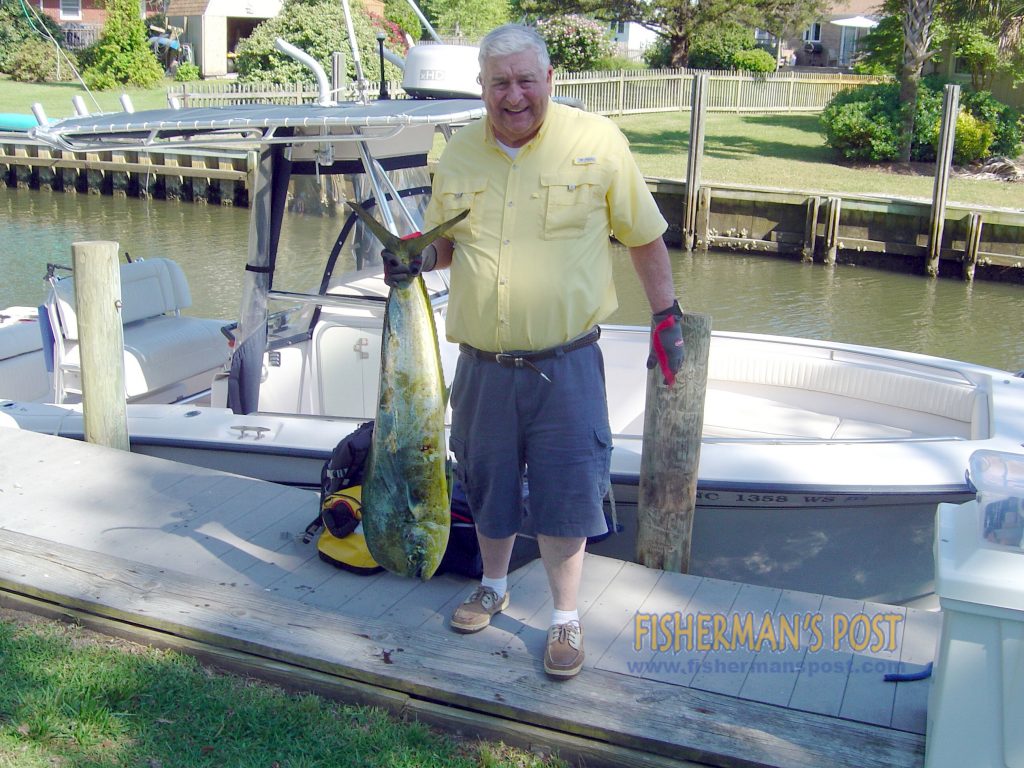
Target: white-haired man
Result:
[531, 276]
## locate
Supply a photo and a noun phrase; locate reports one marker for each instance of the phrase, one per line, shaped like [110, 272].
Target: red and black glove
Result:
[667, 342]
[398, 274]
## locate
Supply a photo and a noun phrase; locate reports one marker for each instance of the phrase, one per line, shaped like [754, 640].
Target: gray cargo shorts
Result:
[510, 422]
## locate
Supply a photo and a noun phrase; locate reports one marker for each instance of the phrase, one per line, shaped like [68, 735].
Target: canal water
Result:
[981, 322]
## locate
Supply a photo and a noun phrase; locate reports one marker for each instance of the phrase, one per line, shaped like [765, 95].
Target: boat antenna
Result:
[354, 45]
[423, 21]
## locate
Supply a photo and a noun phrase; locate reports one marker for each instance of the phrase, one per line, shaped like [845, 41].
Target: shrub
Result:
[756, 60]
[658, 55]
[716, 46]
[318, 28]
[863, 123]
[186, 72]
[121, 55]
[973, 139]
[927, 121]
[36, 61]
[613, 63]
[399, 13]
[16, 29]
[1006, 122]
[574, 42]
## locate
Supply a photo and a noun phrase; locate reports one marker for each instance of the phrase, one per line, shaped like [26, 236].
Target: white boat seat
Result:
[22, 372]
[19, 329]
[161, 346]
[875, 385]
[808, 393]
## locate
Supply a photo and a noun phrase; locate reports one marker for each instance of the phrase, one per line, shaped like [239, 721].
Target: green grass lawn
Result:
[789, 152]
[56, 97]
[73, 698]
[782, 151]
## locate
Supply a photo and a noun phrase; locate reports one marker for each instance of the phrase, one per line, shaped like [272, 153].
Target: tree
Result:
[917, 48]
[318, 28]
[785, 18]
[676, 22]
[470, 18]
[122, 56]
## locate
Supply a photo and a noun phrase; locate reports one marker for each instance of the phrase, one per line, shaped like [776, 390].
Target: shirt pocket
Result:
[572, 196]
[457, 195]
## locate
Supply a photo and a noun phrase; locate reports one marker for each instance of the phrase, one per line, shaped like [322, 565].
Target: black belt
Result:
[519, 359]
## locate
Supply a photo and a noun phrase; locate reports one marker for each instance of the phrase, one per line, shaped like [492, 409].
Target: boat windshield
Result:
[325, 251]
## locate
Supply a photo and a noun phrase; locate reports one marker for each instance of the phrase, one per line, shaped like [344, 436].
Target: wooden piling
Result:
[810, 229]
[972, 244]
[673, 423]
[101, 342]
[943, 163]
[832, 215]
[698, 114]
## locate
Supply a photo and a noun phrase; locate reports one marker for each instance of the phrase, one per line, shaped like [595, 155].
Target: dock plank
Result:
[868, 697]
[726, 666]
[643, 714]
[821, 684]
[214, 558]
[917, 649]
[775, 670]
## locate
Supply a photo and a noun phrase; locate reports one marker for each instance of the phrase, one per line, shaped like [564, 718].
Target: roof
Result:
[845, 8]
[187, 7]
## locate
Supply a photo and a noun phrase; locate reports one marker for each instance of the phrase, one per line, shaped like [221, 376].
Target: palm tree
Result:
[917, 41]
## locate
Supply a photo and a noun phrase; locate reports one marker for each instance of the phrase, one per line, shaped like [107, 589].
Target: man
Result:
[531, 276]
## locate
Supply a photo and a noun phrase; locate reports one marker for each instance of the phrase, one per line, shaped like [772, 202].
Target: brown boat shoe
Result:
[563, 657]
[476, 610]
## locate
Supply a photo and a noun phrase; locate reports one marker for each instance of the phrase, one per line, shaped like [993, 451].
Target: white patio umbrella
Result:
[860, 22]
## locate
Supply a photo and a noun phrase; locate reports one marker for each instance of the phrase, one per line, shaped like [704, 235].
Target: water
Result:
[980, 322]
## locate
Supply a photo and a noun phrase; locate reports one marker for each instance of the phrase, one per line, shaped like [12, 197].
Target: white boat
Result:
[821, 463]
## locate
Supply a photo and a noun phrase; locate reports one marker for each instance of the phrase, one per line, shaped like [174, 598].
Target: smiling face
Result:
[516, 88]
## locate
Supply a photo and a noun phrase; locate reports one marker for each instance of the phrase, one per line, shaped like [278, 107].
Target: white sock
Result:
[500, 586]
[564, 617]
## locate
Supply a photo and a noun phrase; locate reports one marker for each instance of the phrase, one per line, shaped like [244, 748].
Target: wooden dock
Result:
[213, 564]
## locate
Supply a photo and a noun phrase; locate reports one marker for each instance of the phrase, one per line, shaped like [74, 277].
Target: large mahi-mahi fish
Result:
[405, 494]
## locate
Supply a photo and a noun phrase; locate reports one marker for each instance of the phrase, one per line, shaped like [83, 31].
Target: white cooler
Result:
[976, 703]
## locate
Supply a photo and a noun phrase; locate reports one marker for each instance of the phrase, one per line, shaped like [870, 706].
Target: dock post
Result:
[673, 423]
[811, 229]
[698, 113]
[832, 214]
[972, 244]
[101, 342]
[943, 162]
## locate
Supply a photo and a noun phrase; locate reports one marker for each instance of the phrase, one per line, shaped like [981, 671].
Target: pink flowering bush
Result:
[575, 43]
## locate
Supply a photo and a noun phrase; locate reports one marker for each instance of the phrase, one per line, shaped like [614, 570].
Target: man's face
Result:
[516, 90]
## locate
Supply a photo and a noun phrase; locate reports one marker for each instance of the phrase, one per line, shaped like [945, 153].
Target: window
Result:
[70, 10]
[813, 33]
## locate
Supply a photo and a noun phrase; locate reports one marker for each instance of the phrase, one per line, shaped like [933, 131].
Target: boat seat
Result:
[807, 393]
[22, 372]
[945, 399]
[161, 346]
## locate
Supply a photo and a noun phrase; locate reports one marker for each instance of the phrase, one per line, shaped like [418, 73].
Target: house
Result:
[81, 20]
[833, 40]
[632, 39]
[213, 28]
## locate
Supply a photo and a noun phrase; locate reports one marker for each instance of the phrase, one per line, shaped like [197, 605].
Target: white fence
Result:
[619, 92]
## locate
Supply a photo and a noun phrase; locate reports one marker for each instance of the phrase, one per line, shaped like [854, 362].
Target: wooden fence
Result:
[619, 92]
[632, 91]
